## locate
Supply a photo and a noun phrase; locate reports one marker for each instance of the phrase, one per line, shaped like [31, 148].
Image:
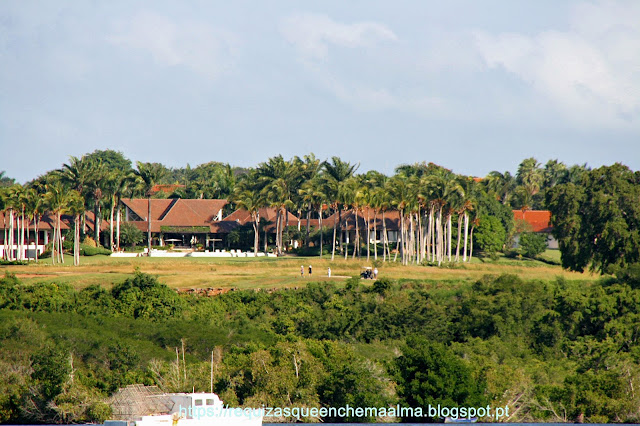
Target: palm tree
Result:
[379, 202]
[145, 177]
[120, 189]
[529, 179]
[3, 207]
[33, 208]
[309, 171]
[500, 185]
[312, 194]
[116, 184]
[398, 187]
[14, 203]
[280, 181]
[251, 200]
[75, 207]
[77, 175]
[5, 181]
[336, 172]
[444, 188]
[56, 200]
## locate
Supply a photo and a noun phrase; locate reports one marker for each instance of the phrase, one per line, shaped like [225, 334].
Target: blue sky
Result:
[471, 85]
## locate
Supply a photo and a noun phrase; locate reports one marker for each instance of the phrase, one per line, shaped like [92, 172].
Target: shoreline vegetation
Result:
[484, 334]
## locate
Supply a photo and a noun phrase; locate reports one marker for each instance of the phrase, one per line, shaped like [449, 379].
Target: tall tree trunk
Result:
[5, 243]
[466, 230]
[35, 227]
[277, 242]
[412, 239]
[459, 237]
[76, 242]
[419, 246]
[27, 223]
[375, 234]
[340, 231]
[400, 243]
[333, 250]
[96, 222]
[118, 229]
[440, 242]
[306, 238]
[432, 232]
[111, 242]
[19, 235]
[148, 225]
[54, 240]
[320, 223]
[368, 235]
[256, 233]
[356, 239]
[11, 225]
[346, 238]
[384, 238]
[471, 243]
[449, 236]
[60, 247]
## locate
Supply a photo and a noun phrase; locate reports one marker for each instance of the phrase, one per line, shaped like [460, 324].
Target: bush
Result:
[381, 286]
[490, 235]
[93, 251]
[130, 235]
[13, 262]
[533, 244]
[630, 275]
[90, 242]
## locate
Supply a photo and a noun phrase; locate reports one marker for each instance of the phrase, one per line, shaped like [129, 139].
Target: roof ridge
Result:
[168, 209]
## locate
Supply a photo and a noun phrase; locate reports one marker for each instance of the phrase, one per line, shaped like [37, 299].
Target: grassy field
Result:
[266, 273]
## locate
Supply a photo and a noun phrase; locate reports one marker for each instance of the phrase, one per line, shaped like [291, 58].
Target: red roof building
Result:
[175, 215]
[539, 220]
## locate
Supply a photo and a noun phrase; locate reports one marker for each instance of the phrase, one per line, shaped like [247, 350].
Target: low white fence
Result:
[217, 253]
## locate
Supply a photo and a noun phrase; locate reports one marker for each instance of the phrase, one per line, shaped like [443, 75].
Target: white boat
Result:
[181, 409]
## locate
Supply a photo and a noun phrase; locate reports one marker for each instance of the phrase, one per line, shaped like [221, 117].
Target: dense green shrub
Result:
[93, 251]
[130, 235]
[326, 345]
[490, 235]
[532, 244]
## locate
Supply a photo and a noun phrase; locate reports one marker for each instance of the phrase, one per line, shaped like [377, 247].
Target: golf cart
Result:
[366, 273]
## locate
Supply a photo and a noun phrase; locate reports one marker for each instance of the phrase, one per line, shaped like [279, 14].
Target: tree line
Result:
[442, 215]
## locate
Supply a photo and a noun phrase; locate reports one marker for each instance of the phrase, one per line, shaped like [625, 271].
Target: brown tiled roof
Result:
[176, 213]
[46, 223]
[269, 214]
[391, 218]
[90, 220]
[538, 219]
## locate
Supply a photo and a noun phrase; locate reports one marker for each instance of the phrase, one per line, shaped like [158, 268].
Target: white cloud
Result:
[311, 34]
[199, 47]
[586, 71]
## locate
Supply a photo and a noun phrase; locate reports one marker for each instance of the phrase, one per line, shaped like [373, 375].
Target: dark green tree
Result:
[490, 235]
[533, 244]
[597, 222]
[429, 373]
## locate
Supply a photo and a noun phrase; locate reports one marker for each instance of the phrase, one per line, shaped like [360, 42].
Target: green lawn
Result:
[268, 273]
